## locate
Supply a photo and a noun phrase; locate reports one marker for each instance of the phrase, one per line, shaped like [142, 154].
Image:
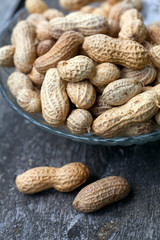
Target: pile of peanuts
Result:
[96, 69]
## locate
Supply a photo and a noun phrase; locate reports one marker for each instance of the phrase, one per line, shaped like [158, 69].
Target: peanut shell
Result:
[42, 31]
[6, 56]
[44, 46]
[154, 54]
[82, 94]
[35, 19]
[35, 6]
[99, 107]
[79, 121]
[101, 193]
[36, 77]
[52, 13]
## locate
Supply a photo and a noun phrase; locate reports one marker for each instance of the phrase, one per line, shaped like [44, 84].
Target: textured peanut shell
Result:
[64, 179]
[157, 80]
[140, 108]
[44, 46]
[86, 24]
[100, 11]
[75, 4]
[154, 33]
[105, 73]
[106, 7]
[52, 13]
[113, 28]
[35, 19]
[101, 193]
[99, 107]
[18, 81]
[29, 100]
[35, 6]
[154, 54]
[6, 56]
[76, 69]
[65, 48]
[157, 117]
[54, 99]
[138, 129]
[102, 48]
[87, 9]
[42, 31]
[132, 26]
[121, 91]
[146, 75]
[23, 37]
[36, 77]
[79, 121]
[82, 94]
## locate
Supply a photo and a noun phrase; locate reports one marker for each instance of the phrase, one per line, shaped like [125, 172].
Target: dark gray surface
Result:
[50, 215]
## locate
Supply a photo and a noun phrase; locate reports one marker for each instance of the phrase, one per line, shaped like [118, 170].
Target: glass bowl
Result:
[37, 118]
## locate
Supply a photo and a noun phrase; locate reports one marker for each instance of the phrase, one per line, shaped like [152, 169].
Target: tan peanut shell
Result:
[113, 2]
[54, 99]
[18, 81]
[42, 31]
[147, 88]
[100, 89]
[86, 24]
[106, 7]
[36, 77]
[35, 19]
[36, 6]
[65, 48]
[79, 121]
[75, 4]
[99, 107]
[105, 73]
[138, 4]
[121, 91]
[82, 94]
[101, 193]
[52, 13]
[113, 28]
[102, 48]
[157, 80]
[154, 54]
[44, 46]
[6, 56]
[100, 11]
[64, 179]
[138, 129]
[29, 100]
[146, 75]
[147, 45]
[157, 117]
[140, 108]
[87, 9]
[132, 26]
[154, 33]
[76, 69]
[23, 38]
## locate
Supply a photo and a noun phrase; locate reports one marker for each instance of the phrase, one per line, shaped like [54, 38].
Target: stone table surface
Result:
[50, 215]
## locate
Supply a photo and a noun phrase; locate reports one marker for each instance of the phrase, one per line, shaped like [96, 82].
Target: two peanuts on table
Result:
[94, 70]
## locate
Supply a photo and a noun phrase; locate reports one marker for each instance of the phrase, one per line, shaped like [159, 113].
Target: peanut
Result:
[44, 46]
[128, 53]
[106, 7]
[139, 129]
[75, 4]
[147, 45]
[113, 2]
[42, 31]
[99, 107]
[154, 33]
[35, 6]
[86, 24]
[132, 26]
[105, 73]
[121, 91]
[87, 9]
[146, 75]
[52, 13]
[82, 94]
[23, 38]
[100, 11]
[154, 54]
[101, 193]
[157, 117]
[54, 99]
[29, 100]
[113, 28]
[18, 81]
[6, 56]
[36, 77]
[66, 47]
[76, 69]
[79, 121]
[139, 109]
[64, 179]
[148, 88]
[35, 19]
